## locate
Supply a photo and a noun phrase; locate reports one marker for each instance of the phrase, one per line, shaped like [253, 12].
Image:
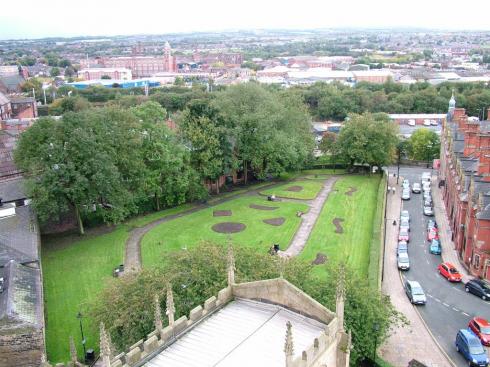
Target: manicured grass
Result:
[358, 211]
[73, 274]
[233, 193]
[324, 171]
[191, 229]
[310, 190]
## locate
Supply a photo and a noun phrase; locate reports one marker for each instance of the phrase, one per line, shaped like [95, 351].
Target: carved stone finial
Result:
[340, 297]
[73, 351]
[288, 345]
[170, 305]
[105, 349]
[231, 266]
[158, 315]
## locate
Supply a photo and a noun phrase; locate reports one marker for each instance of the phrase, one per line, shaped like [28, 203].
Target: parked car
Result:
[428, 201]
[404, 215]
[426, 185]
[416, 189]
[426, 122]
[479, 288]
[402, 248]
[411, 122]
[432, 224]
[471, 348]
[433, 123]
[428, 211]
[426, 176]
[403, 235]
[415, 292]
[404, 223]
[449, 271]
[481, 328]
[435, 247]
[432, 234]
[403, 261]
[406, 194]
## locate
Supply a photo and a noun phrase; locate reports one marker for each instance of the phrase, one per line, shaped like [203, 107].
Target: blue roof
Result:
[108, 83]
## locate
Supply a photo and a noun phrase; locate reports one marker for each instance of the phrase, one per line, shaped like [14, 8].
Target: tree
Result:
[86, 162]
[54, 72]
[64, 63]
[33, 84]
[200, 272]
[424, 145]
[69, 71]
[367, 139]
[327, 145]
[149, 112]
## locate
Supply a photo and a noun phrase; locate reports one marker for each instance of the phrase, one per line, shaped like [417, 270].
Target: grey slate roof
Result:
[19, 237]
[458, 146]
[12, 82]
[21, 300]
[8, 138]
[11, 190]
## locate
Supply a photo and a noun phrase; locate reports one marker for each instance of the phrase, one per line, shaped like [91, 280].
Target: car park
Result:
[479, 288]
[406, 194]
[416, 189]
[405, 215]
[471, 348]
[428, 211]
[402, 248]
[403, 235]
[403, 261]
[404, 223]
[432, 234]
[415, 292]
[435, 247]
[449, 271]
[481, 328]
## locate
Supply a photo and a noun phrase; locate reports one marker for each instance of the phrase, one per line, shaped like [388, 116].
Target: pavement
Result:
[309, 219]
[406, 342]
[449, 253]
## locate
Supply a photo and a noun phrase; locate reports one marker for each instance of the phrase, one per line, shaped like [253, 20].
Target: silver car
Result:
[416, 188]
[406, 194]
[415, 292]
[428, 211]
[403, 261]
[404, 224]
[404, 215]
[406, 184]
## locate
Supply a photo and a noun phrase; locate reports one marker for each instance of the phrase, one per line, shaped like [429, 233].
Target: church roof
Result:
[244, 332]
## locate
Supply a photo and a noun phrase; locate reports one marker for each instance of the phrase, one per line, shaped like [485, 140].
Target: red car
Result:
[481, 328]
[448, 271]
[432, 235]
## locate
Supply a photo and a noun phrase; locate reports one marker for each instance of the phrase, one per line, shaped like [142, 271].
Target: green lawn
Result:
[358, 212]
[310, 189]
[188, 231]
[74, 273]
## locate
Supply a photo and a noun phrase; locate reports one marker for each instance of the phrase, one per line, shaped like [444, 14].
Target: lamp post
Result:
[429, 152]
[79, 317]
[375, 329]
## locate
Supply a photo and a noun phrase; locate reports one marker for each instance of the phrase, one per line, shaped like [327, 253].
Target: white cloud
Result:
[109, 17]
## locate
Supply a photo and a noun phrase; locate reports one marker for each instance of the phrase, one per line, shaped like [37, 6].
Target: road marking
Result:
[456, 289]
[430, 295]
[445, 304]
[427, 262]
[464, 313]
[437, 300]
[455, 309]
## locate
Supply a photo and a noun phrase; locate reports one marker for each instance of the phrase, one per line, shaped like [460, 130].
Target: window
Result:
[476, 261]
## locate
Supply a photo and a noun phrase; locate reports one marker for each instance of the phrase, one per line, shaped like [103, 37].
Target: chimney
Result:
[458, 112]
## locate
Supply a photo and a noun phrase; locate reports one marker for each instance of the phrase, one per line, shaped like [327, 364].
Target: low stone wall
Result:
[21, 349]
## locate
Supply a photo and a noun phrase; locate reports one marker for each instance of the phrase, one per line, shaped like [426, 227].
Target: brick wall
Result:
[22, 349]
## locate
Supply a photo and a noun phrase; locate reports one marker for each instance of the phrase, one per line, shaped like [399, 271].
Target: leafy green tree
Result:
[200, 272]
[328, 143]
[149, 112]
[64, 63]
[86, 162]
[424, 145]
[54, 72]
[367, 139]
[33, 84]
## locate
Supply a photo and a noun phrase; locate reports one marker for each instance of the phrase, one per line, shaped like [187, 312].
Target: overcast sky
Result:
[48, 18]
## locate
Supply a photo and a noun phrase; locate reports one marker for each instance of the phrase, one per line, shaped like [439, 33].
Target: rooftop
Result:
[243, 330]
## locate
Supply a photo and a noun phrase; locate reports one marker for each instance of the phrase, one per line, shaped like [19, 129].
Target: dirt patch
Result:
[275, 221]
[295, 188]
[338, 226]
[262, 207]
[228, 227]
[320, 259]
[222, 213]
[351, 191]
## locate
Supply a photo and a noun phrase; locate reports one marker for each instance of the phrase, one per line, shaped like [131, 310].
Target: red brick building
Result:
[140, 66]
[465, 181]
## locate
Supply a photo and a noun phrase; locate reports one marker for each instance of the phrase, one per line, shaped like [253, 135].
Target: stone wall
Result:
[22, 349]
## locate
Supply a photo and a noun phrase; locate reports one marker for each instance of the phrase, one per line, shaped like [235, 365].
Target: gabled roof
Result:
[21, 300]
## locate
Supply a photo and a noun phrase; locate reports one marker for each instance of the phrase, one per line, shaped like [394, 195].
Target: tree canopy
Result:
[424, 145]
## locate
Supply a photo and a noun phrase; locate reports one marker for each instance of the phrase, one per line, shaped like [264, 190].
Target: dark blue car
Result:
[471, 348]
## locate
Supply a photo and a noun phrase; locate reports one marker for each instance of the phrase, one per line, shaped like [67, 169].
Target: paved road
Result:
[448, 307]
